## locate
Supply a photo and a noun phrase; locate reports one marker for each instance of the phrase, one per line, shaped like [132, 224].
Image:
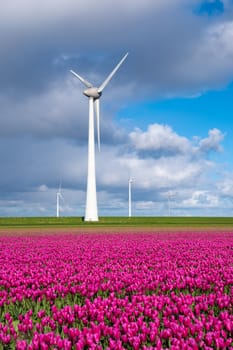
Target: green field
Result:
[149, 222]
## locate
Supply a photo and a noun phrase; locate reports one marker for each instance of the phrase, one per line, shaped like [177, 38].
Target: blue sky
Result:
[166, 117]
[188, 116]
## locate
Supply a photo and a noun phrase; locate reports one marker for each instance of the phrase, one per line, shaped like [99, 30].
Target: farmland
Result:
[115, 222]
[127, 290]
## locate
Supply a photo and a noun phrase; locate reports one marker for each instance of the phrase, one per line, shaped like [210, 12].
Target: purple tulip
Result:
[75, 291]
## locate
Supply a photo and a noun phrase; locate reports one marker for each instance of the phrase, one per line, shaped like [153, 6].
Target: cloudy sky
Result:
[166, 116]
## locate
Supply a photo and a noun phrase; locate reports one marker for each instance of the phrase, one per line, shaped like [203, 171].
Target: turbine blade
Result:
[59, 190]
[97, 111]
[102, 86]
[59, 194]
[84, 81]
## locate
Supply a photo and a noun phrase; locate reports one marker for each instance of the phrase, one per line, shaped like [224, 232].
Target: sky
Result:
[166, 116]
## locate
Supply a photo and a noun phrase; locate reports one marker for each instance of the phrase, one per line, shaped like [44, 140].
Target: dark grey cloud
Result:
[166, 39]
[61, 112]
[29, 163]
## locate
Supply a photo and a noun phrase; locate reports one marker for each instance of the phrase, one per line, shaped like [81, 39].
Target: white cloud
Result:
[53, 161]
[169, 160]
[212, 142]
[42, 188]
[160, 139]
[202, 199]
[225, 185]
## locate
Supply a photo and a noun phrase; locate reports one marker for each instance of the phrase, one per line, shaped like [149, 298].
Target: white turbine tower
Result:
[93, 93]
[130, 198]
[59, 196]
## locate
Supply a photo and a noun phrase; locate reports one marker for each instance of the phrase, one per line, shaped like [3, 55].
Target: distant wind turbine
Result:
[170, 197]
[130, 199]
[94, 94]
[59, 196]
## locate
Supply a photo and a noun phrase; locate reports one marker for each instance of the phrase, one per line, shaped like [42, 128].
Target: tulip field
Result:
[141, 290]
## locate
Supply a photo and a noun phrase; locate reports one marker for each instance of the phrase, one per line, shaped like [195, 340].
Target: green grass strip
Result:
[46, 222]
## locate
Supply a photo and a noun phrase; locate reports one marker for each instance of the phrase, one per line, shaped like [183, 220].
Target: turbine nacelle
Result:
[92, 92]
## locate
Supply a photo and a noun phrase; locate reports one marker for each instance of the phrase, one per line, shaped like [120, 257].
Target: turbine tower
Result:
[130, 200]
[59, 195]
[170, 197]
[94, 94]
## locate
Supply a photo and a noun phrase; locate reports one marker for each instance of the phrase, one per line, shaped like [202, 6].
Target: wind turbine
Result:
[59, 195]
[130, 200]
[94, 94]
[170, 197]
